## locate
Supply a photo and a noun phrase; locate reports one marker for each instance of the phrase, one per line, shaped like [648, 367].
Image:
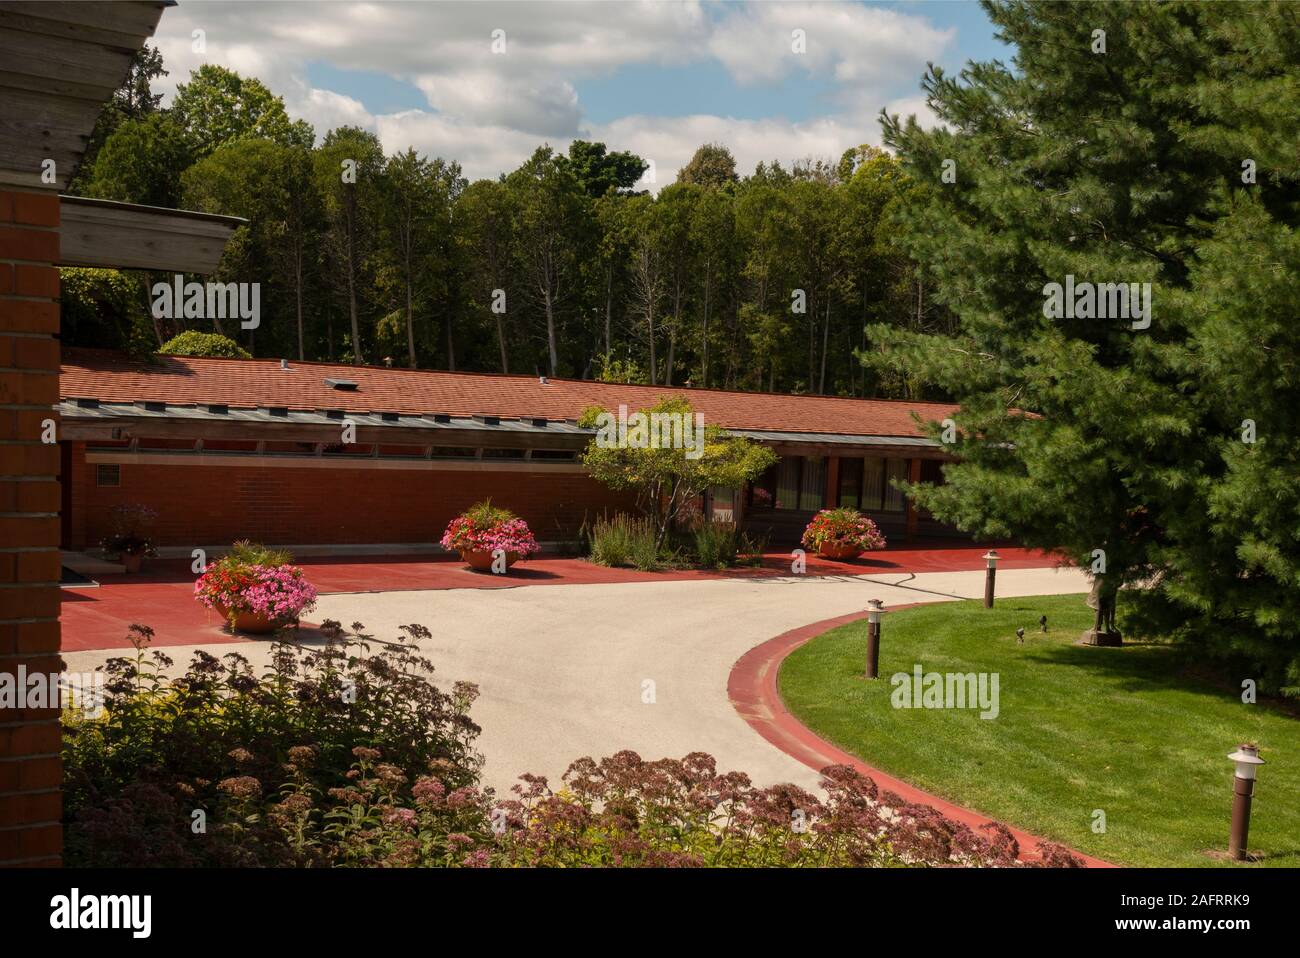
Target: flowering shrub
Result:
[271, 759]
[842, 527]
[624, 811]
[390, 778]
[257, 580]
[486, 528]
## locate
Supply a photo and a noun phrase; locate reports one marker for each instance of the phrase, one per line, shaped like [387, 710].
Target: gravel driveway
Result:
[572, 670]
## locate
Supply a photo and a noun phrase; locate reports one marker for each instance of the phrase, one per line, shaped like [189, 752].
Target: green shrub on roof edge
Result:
[194, 343]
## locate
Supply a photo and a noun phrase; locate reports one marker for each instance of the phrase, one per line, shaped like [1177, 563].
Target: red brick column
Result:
[30, 768]
[74, 494]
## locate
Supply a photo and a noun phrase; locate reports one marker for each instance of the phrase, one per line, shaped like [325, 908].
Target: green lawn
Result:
[1123, 730]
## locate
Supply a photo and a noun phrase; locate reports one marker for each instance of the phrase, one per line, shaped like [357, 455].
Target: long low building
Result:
[321, 454]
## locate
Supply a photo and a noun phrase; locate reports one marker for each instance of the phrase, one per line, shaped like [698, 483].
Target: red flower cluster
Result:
[464, 534]
[222, 585]
[842, 527]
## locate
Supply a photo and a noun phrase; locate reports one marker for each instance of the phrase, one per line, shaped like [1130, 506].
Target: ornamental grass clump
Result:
[842, 528]
[487, 528]
[715, 544]
[625, 540]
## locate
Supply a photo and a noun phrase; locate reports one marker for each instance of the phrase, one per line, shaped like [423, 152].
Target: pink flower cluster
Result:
[512, 535]
[281, 593]
[845, 527]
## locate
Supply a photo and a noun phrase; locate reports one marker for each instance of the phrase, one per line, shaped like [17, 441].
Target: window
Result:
[276, 447]
[229, 445]
[895, 471]
[454, 452]
[850, 482]
[503, 454]
[786, 494]
[108, 475]
[401, 452]
[147, 444]
[932, 471]
[721, 504]
[351, 450]
[812, 485]
[866, 484]
[794, 483]
[873, 483]
[554, 455]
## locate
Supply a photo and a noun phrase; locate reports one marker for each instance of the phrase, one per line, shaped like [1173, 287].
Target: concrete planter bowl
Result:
[839, 550]
[250, 623]
[481, 560]
[255, 623]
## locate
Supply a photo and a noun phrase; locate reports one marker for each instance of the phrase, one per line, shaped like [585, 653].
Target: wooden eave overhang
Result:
[59, 63]
[112, 235]
[89, 420]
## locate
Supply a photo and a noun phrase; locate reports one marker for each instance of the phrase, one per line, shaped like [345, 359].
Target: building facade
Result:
[322, 455]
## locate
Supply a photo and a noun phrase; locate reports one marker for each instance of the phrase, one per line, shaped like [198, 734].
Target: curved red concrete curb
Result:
[752, 688]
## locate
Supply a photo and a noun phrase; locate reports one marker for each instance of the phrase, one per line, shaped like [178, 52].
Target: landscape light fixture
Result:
[875, 609]
[1243, 790]
[991, 557]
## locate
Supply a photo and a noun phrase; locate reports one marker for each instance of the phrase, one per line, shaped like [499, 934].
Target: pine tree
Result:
[1112, 153]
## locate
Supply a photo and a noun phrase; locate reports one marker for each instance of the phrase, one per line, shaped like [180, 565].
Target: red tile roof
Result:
[250, 383]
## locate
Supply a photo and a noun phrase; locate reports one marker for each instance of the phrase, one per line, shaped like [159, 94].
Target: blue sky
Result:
[655, 77]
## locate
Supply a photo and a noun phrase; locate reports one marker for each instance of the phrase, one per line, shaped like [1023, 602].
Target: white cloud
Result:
[482, 151]
[489, 111]
[671, 141]
[535, 104]
[852, 43]
[325, 109]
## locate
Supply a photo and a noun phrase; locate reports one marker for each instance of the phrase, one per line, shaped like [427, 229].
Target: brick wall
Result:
[30, 771]
[214, 505]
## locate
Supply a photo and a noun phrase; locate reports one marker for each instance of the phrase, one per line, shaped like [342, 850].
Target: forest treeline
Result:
[569, 265]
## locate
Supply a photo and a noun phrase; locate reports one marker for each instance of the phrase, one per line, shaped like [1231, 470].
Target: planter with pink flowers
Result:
[484, 533]
[842, 534]
[256, 590]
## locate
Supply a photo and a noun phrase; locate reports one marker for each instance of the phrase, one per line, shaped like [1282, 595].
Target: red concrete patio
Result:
[162, 597]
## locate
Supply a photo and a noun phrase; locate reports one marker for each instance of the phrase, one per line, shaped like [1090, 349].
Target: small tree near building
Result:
[667, 475]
